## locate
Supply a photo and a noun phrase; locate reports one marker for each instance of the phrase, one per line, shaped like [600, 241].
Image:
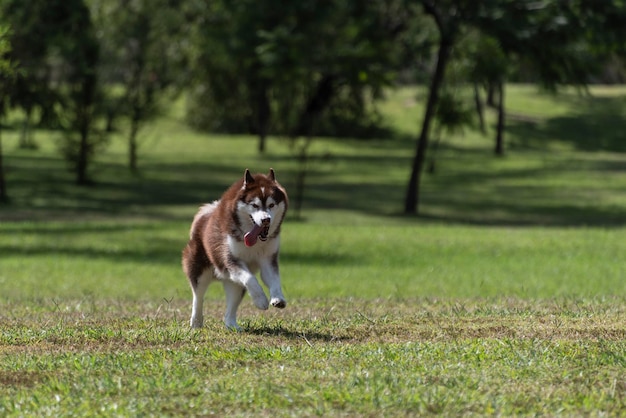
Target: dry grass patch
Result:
[103, 326]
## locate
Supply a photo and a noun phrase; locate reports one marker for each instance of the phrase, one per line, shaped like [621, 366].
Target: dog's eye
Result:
[271, 205]
[254, 205]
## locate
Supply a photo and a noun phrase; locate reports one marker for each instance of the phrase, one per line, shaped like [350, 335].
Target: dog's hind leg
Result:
[234, 295]
[199, 289]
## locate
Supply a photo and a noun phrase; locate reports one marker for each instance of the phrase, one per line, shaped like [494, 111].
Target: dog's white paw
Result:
[196, 322]
[278, 303]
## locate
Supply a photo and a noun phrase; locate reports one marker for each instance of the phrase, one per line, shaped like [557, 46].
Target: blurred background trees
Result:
[7, 76]
[294, 68]
[143, 61]
[54, 46]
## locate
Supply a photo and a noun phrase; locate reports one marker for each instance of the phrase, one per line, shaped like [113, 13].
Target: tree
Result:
[231, 92]
[54, 41]
[345, 47]
[33, 29]
[7, 77]
[259, 61]
[488, 69]
[448, 18]
[549, 36]
[603, 25]
[140, 40]
[268, 69]
[78, 50]
[452, 116]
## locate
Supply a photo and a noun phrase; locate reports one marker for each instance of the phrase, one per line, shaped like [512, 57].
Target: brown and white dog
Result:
[233, 238]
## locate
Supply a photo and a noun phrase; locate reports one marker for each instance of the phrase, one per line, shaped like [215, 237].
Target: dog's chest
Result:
[256, 255]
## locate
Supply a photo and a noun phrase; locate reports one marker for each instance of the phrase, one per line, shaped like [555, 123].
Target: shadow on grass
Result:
[567, 193]
[502, 214]
[45, 190]
[598, 124]
[282, 332]
[465, 190]
[98, 241]
[471, 185]
[162, 255]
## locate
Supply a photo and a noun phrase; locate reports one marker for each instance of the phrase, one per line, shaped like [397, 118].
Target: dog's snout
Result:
[261, 218]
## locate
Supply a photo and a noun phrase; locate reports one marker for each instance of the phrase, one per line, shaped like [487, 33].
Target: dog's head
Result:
[261, 206]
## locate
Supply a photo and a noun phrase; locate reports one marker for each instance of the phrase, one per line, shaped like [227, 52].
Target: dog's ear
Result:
[271, 175]
[247, 178]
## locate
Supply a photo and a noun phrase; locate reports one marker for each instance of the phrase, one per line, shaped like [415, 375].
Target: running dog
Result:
[233, 238]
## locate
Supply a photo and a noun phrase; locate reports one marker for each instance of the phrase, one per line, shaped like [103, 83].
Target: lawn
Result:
[505, 297]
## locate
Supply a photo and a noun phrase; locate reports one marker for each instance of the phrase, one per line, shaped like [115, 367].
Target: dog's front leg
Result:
[242, 276]
[271, 278]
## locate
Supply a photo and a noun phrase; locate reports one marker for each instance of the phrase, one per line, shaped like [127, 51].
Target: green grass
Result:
[117, 259]
[506, 297]
[320, 357]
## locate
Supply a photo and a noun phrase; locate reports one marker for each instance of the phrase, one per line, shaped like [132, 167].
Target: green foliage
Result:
[7, 78]
[453, 114]
[7, 70]
[489, 63]
[548, 38]
[142, 57]
[80, 51]
[55, 44]
[270, 66]
[142, 53]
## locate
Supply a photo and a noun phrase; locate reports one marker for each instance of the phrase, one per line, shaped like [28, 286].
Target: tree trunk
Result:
[83, 116]
[110, 119]
[137, 103]
[135, 120]
[303, 161]
[411, 202]
[263, 117]
[3, 190]
[316, 104]
[132, 145]
[479, 108]
[82, 160]
[26, 140]
[491, 92]
[324, 92]
[499, 149]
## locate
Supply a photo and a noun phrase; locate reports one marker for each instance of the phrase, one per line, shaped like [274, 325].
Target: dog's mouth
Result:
[257, 232]
[265, 230]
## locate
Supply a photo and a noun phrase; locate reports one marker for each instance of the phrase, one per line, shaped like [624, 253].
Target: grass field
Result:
[506, 297]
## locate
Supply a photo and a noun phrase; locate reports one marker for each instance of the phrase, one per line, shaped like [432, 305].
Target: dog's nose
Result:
[265, 221]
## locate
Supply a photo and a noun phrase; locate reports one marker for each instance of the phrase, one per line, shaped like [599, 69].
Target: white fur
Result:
[197, 317]
[207, 209]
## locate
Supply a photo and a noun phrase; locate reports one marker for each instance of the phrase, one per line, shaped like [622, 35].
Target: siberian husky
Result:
[233, 238]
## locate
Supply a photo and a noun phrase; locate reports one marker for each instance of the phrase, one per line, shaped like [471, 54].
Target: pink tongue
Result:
[250, 238]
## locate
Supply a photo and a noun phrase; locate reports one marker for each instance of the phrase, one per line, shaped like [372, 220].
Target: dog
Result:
[233, 238]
